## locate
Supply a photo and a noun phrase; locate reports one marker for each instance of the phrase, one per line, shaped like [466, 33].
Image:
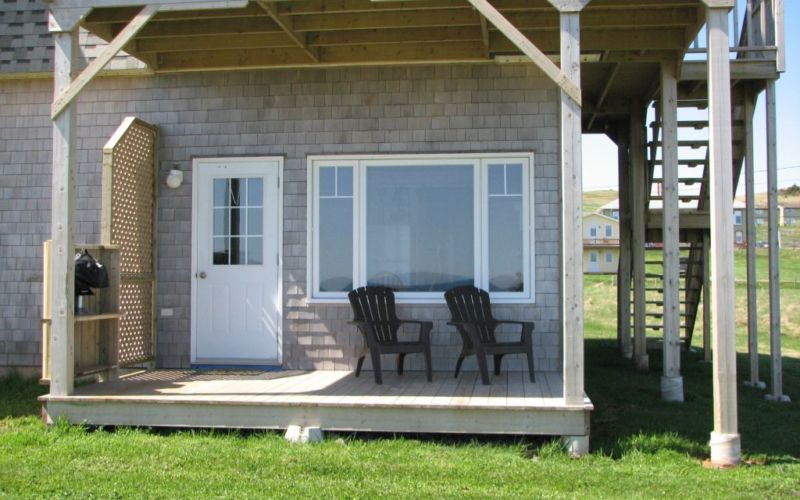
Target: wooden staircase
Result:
[693, 179]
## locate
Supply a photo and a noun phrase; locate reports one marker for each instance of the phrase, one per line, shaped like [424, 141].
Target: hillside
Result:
[592, 200]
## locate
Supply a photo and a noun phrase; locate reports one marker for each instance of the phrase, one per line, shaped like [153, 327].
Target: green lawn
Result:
[642, 447]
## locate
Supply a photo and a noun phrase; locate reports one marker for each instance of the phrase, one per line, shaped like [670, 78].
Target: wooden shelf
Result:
[94, 369]
[80, 318]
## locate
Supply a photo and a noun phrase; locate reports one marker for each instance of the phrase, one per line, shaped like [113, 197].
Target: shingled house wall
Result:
[415, 109]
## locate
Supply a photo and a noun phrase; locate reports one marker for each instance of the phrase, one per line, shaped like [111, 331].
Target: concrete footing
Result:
[643, 362]
[297, 434]
[783, 398]
[672, 389]
[726, 449]
[577, 446]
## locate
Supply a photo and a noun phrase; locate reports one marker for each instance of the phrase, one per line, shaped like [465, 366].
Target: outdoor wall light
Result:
[175, 178]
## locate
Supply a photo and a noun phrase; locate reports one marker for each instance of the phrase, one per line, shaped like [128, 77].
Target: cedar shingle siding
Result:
[292, 113]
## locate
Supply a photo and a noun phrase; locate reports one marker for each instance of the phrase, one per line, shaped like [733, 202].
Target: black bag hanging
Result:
[89, 274]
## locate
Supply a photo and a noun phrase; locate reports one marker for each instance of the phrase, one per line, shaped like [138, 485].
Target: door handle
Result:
[202, 275]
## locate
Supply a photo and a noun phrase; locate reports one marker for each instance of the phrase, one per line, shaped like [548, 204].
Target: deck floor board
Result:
[341, 388]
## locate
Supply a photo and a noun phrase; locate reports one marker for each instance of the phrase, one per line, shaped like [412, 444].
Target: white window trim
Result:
[358, 162]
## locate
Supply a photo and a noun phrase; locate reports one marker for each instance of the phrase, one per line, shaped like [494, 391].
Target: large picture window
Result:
[421, 225]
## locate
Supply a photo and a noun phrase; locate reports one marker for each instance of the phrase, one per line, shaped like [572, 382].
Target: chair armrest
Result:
[425, 328]
[521, 323]
[416, 322]
[525, 336]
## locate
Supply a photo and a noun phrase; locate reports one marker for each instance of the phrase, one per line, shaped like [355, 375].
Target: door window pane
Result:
[238, 216]
[255, 250]
[336, 229]
[419, 226]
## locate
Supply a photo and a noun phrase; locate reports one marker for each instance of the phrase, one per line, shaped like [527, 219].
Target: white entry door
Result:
[594, 265]
[236, 232]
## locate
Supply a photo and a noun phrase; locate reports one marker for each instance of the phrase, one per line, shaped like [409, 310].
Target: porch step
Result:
[686, 181]
[685, 163]
[695, 124]
[686, 143]
[683, 198]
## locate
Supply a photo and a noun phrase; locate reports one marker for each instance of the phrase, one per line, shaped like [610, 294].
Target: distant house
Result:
[600, 244]
[789, 214]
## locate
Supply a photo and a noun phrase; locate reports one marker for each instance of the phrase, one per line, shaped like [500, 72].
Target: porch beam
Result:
[111, 50]
[638, 190]
[562, 79]
[750, 231]
[725, 439]
[572, 212]
[286, 24]
[671, 380]
[776, 362]
[62, 279]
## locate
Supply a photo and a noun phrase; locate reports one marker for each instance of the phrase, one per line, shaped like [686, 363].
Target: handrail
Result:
[759, 35]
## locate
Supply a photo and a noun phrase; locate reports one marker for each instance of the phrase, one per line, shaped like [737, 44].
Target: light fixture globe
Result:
[175, 178]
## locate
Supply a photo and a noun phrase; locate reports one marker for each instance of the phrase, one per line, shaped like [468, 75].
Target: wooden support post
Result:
[750, 231]
[671, 380]
[725, 440]
[638, 189]
[706, 297]
[62, 299]
[776, 364]
[572, 215]
[624, 269]
[780, 35]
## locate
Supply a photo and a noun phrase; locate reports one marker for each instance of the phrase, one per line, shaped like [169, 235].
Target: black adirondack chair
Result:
[471, 314]
[374, 315]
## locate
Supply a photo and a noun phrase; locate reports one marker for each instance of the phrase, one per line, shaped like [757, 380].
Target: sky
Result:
[600, 154]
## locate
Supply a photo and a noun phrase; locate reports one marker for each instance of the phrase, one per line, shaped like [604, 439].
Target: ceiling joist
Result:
[286, 25]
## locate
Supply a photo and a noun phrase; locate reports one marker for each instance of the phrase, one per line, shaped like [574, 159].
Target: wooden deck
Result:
[332, 400]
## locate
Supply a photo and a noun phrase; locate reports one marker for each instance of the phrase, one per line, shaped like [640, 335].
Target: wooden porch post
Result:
[62, 298]
[572, 217]
[638, 189]
[624, 270]
[572, 222]
[776, 364]
[750, 230]
[671, 380]
[725, 440]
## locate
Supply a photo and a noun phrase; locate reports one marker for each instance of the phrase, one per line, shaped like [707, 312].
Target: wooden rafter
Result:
[612, 75]
[529, 49]
[286, 25]
[487, 42]
[122, 39]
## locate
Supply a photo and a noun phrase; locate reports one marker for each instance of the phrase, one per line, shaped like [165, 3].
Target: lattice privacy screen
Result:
[128, 216]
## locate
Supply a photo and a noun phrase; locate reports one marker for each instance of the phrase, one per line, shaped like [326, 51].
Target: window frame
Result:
[480, 163]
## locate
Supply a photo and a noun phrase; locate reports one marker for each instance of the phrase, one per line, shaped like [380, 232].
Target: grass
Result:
[642, 446]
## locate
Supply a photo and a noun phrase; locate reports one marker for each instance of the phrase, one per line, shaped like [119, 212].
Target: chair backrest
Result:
[470, 304]
[375, 305]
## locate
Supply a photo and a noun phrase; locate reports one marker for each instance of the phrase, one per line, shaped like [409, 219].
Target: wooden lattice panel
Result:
[128, 216]
[136, 300]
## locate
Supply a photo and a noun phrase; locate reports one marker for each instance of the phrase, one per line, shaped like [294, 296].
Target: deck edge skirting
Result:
[463, 420]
